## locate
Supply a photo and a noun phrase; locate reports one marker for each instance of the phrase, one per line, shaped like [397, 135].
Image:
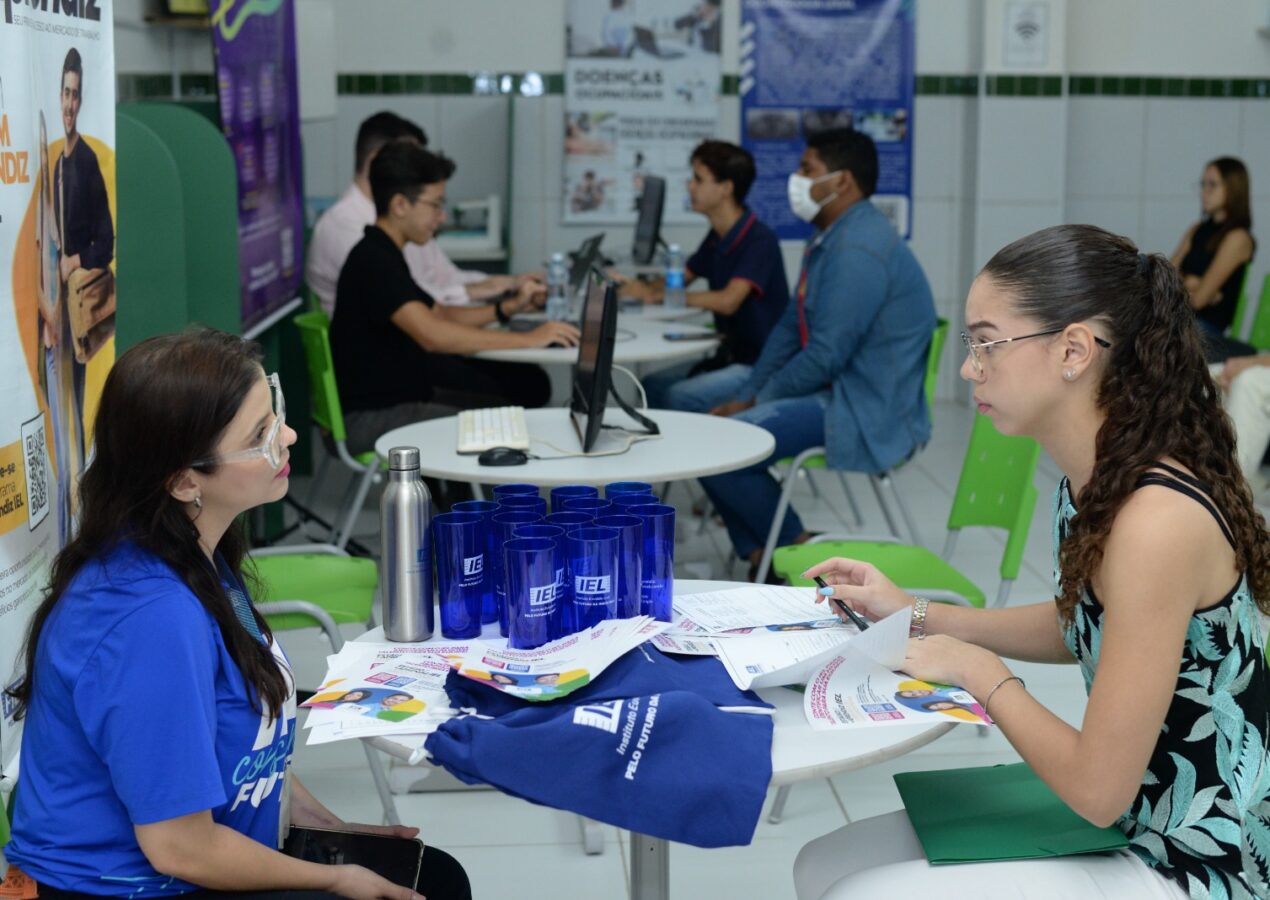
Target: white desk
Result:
[798, 754]
[691, 445]
[639, 340]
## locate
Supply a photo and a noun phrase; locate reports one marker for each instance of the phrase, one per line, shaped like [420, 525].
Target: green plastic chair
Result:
[6, 818]
[1236, 329]
[315, 335]
[1259, 334]
[882, 482]
[319, 585]
[995, 490]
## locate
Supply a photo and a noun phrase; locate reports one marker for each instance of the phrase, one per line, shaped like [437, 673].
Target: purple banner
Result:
[260, 115]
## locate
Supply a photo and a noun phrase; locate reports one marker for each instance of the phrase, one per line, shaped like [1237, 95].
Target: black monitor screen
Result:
[648, 228]
[583, 259]
[592, 372]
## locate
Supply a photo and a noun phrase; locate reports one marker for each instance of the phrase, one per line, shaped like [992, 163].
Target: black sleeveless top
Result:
[1202, 814]
[1221, 313]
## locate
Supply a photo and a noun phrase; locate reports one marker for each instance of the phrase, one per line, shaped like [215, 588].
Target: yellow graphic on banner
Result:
[13, 504]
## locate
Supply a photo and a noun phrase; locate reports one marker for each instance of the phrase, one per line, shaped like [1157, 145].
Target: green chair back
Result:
[1259, 336]
[344, 586]
[936, 352]
[995, 489]
[315, 335]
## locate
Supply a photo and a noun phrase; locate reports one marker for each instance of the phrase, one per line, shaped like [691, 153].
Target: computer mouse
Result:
[503, 456]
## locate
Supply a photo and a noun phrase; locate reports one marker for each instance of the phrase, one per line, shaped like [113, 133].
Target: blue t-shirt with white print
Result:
[139, 715]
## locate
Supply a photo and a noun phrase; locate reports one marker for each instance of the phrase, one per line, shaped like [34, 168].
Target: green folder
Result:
[996, 813]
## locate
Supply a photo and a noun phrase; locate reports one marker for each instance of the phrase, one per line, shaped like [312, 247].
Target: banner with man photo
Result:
[57, 290]
[641, 91]
[814, 65]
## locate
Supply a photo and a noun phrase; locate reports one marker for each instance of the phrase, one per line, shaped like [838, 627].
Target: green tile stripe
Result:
[1150, 86]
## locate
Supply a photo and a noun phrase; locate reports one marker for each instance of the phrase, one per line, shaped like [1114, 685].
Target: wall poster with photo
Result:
[57, 293]
[814, 65]
[641, 91]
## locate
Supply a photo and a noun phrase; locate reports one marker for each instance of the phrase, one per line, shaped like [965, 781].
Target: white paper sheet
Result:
[754, 605]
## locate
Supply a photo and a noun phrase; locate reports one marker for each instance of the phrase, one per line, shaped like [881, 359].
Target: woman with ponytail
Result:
[1076, 339]
[159, 711]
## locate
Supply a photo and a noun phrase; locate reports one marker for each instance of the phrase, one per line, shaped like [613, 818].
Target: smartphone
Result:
[394, 858]
[691, 336]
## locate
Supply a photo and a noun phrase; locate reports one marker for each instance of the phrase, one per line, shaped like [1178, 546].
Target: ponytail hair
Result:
[1156, 391]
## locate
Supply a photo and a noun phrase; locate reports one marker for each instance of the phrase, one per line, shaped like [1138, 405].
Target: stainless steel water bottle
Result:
[405, 520]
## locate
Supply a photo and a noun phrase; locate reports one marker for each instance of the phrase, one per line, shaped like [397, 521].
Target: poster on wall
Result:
[812, 65]
[57, 291]
[260, 116]
[641, 91]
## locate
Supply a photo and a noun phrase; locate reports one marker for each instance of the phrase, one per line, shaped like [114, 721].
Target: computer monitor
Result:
[593, 372]
[584, 258]
[648, 227]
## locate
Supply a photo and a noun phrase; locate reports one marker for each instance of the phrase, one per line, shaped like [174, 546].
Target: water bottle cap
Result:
[674, 248]
[403, 458]
[557, 257]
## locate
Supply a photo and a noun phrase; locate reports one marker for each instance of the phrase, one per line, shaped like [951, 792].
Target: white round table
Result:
[691, 445]
[799, 753]
[639, 340]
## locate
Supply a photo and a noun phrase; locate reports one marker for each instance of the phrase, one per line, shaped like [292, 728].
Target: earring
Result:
[198, 502]
[1069, 374]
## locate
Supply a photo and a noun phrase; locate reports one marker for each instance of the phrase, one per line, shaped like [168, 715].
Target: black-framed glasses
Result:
[973, 347]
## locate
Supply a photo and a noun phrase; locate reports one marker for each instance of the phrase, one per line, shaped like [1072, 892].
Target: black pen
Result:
[851, 614]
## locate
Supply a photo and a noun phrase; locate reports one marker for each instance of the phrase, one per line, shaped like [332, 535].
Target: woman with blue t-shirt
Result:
[160, 712]
[1075, 338]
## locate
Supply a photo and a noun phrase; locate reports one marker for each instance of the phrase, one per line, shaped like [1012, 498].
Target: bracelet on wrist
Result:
[502, 317]
[996, 686]
[917, 627]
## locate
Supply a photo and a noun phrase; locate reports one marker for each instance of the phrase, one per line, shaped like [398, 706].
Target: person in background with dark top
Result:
[740, 258]
[399, 358]
[705, 24]
[1162, 566]
[845, 366]
[1214, 253]
[159, 710]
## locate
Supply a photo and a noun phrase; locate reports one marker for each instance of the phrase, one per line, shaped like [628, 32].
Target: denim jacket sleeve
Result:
[851, 286]
[782, 345]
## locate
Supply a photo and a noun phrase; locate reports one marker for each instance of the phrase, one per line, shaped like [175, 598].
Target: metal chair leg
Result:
[345, 530]
[782, 506]
[875, 482]
[778, 804]
[850, 498]
[376, 766]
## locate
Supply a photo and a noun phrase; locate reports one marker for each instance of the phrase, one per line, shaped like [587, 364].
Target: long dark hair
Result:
[1238, 206]
[1156, 391]
[165, 404]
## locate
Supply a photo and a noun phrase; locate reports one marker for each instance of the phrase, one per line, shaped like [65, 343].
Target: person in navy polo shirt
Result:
[740, 259]
[160, 712]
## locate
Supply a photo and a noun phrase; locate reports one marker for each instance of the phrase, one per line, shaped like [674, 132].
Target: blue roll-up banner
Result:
[811, 65]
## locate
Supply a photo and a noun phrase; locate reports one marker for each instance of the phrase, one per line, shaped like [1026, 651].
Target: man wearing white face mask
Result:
[844, 367]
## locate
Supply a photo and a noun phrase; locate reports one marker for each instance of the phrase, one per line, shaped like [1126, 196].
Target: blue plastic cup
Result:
[624, 503]
[593, 559]
[657, 586]
[614, 488]
[630, 561]
[458, 541]
[592, 506]
[569, 519]
[533, 602]
[486, 510]
[512, 490]
[568, 491]
[524, 501]
[503, 522]
[562, 624]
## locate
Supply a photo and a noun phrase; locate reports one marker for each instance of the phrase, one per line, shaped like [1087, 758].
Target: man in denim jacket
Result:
[845, 365]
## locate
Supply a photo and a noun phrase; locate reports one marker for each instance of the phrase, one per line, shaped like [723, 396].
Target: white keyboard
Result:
[502, 426]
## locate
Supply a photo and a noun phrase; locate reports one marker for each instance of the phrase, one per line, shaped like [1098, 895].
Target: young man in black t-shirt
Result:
[398, 357]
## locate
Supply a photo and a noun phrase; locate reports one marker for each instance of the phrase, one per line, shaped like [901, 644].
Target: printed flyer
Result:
[853, 691]
[57, 290]
[641, 91]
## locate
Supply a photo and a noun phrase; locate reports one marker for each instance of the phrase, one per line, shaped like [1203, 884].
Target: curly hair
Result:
[1156, 391]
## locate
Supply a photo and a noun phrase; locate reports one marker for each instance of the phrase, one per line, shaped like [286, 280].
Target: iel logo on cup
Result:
[591, 586]
[473, 565]
[541, 596]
